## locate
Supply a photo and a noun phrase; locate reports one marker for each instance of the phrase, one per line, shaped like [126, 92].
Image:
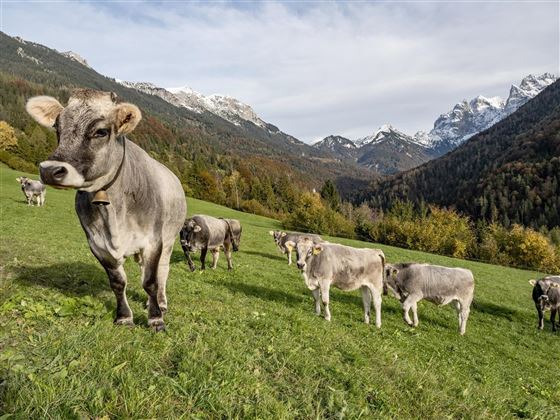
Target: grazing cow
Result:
[411, 283]
[204, 233]
[127, 202]
[546, 295]
[33, 190]
[347, 268]
[286, 241]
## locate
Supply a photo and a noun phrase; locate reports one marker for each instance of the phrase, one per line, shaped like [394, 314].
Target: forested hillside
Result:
[508, 174]
[245, 167]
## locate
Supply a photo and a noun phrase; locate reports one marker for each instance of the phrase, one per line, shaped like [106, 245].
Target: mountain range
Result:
[389, 150]
[508, 173]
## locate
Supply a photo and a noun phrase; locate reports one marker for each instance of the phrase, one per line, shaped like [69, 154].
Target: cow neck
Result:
[101, 197]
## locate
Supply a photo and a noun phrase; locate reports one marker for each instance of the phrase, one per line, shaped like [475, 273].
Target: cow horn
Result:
[101, 198]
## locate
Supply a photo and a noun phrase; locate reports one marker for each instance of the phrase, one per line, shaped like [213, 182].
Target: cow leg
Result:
[366, 300]
[150, 270]
[29, 200]
[317, 296]
[188, 257]
[553, 318]
[464, 315]
[227, 251]
[117, 280]
[377, 299]
[162, 275]
[414, 308]
[541, 317]
[215, 257]
[203, 252]
[407, 304]
[289, 257]
[325, 299]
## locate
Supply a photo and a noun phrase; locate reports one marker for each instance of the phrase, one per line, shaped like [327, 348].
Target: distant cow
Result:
[204, 233]
[546, 295]
[127, 202]
[33, 190]
[344, 267]
[286, 241]
[411, 283]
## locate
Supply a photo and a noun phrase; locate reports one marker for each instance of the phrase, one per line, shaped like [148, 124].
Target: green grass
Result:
[247, 343]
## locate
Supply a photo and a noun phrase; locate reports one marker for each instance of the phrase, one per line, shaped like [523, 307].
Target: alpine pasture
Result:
[246, 343]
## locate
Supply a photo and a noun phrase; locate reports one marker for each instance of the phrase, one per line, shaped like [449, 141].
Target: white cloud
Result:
[313, 70]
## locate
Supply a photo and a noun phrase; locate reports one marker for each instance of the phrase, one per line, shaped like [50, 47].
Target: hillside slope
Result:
[170, 131]
[247, 343]
[509, 173]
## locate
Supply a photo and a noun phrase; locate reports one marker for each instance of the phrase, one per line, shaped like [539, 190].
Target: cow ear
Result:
[317, 249]
[271, 232]
[44, 110]
[126, 117]
[283, 234]
[197, 228]
[394, 272]
[532, 282]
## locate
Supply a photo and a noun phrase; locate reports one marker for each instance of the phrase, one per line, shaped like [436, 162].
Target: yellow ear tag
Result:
[316, 251]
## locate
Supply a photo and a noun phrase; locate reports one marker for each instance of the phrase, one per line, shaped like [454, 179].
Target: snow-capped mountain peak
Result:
[383, 133]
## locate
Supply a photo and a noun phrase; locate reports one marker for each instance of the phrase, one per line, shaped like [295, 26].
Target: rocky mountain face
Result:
[386, 151]
[389, 150]
[468, 118]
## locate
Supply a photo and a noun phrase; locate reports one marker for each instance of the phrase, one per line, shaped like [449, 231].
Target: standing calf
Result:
[286, 241]
[127, 202]
[546, 295]
[324, 265]
[209, 233]
[33, 190]
[411, 283]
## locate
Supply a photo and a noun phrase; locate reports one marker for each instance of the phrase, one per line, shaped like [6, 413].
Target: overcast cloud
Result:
[312, 69]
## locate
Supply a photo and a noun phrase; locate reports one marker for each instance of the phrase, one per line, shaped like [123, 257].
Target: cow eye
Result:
[102, 132]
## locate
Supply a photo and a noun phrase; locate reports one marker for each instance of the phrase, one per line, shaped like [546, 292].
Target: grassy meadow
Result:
[246, 344]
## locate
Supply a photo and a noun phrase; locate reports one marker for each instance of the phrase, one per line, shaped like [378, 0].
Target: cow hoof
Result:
[157, 325]
[124, 321]
[193, 268]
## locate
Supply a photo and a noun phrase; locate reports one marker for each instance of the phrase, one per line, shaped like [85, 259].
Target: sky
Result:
[311, 68]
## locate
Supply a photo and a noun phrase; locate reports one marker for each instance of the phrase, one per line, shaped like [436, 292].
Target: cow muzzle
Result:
[300, 265]
[60, 174]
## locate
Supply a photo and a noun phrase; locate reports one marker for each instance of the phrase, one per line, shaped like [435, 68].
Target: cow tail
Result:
[234, 243]
[384, 274]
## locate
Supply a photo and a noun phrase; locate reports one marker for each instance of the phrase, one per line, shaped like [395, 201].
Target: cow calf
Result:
[347, 268]
[204, 233]
[546, 295]
[411, 283]
[33, 190]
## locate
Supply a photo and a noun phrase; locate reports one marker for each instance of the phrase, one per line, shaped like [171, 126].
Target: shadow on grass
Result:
[265, 293]
[178, 257]
[72, 279]
[268, 255]
[495, 310]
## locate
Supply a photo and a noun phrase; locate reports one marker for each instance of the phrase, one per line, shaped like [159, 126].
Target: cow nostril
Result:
[59, 172]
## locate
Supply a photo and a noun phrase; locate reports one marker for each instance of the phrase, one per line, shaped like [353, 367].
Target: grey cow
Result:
[286, 241]
[128, 203]
[33, 190]
[324, 265]
[204, 233]
[546, 295]
[411, 282]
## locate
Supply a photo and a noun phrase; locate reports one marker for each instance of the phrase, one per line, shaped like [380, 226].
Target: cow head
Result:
[23, 180]
[541, 290]
[277, 235]
[390, 280]
[189, 235]
[90, 131]
[306, 249]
